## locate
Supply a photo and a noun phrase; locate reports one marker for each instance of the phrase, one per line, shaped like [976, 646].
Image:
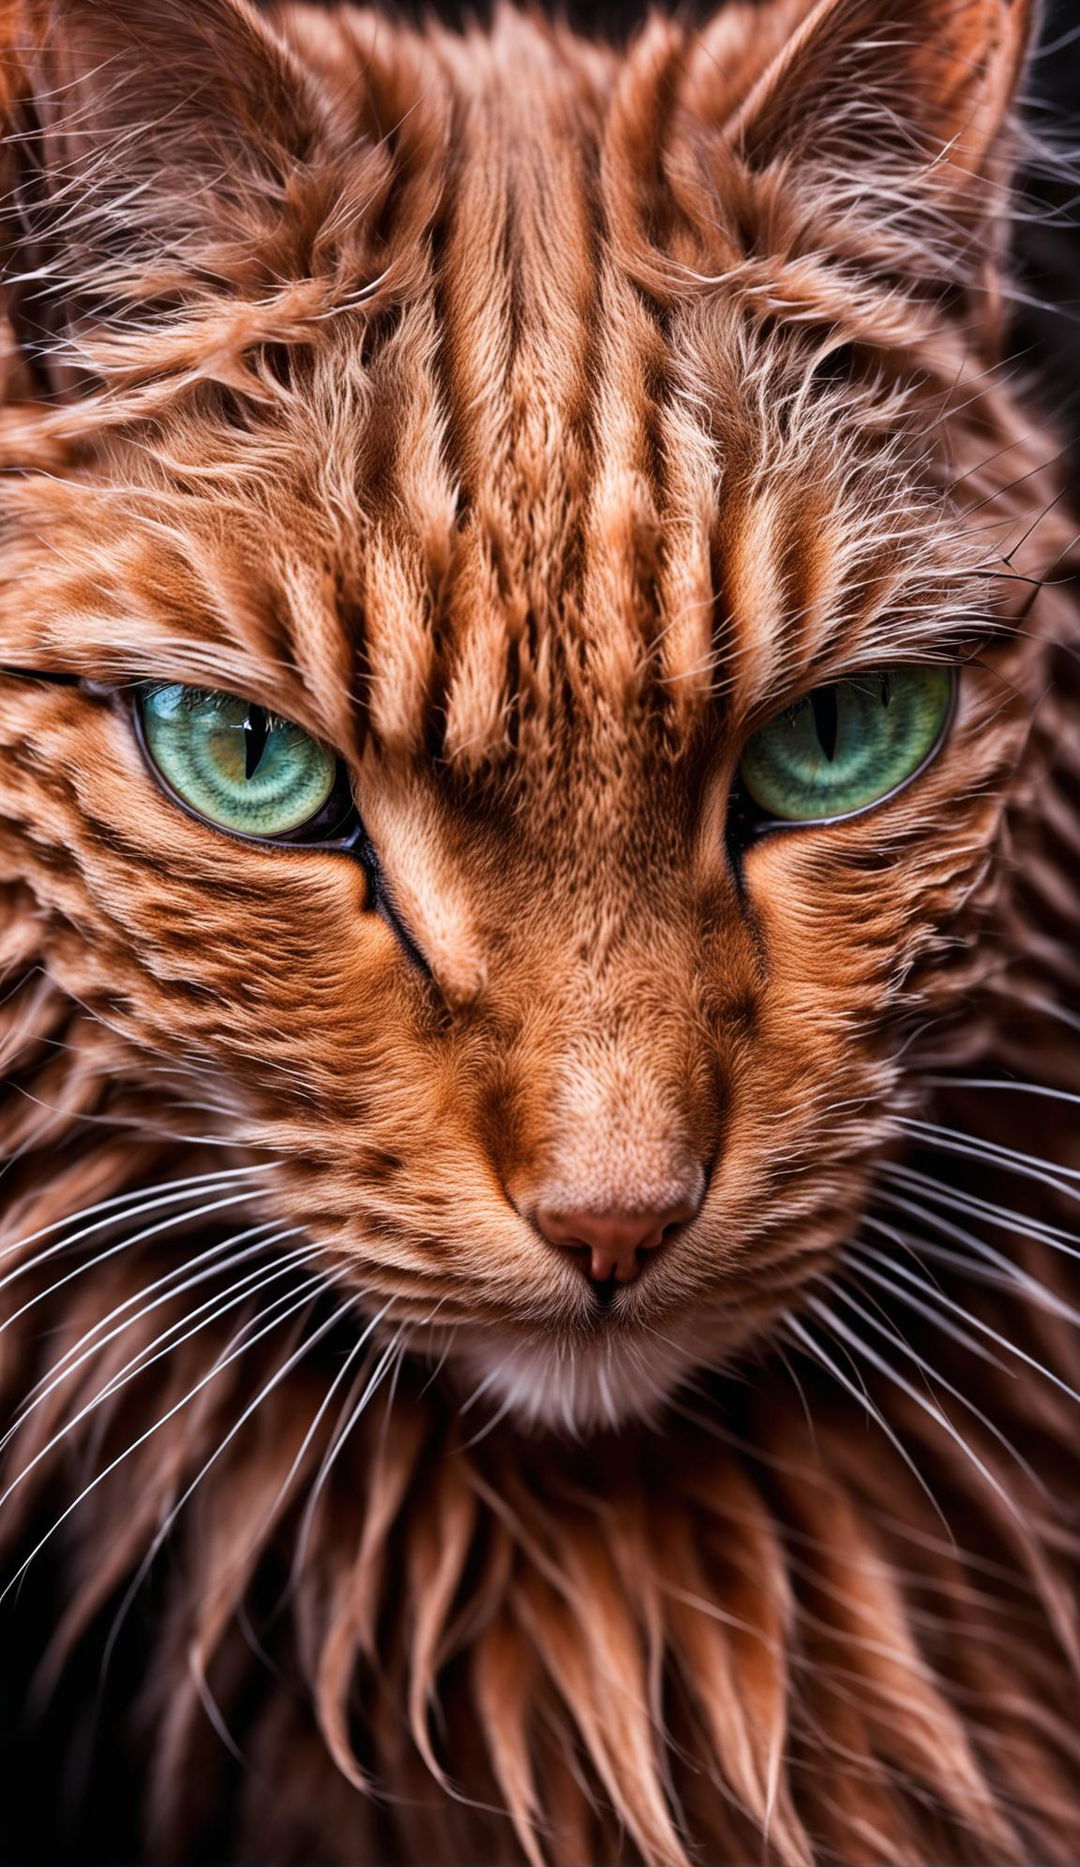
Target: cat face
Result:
[480, 451]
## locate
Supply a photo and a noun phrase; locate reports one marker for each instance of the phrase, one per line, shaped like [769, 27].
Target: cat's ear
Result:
[892, 118]
[149, 147]
[862, 78]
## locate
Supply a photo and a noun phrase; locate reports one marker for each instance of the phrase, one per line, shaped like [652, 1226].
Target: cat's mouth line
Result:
[615, 1322]
[566, 1308]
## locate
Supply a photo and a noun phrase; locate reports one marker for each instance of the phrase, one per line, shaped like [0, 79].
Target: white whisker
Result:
[893, 1335]
[904, 1271]
[279, 1375]
[862, 1253]
[997, 1082]
[309, 1289]
[91, 1342]
[115, 1207]
[139, 1363]
[335, 1448]
[803, 1335]
[878, 1361]
[952, 1141]
[189, 1216]
[1004, 1218]
[1010, 1274]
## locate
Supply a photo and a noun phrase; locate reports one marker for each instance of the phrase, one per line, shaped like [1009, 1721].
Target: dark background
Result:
[1048, 243]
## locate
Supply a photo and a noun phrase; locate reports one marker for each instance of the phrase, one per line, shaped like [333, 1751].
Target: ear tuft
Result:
[926, 86]
[871, 88]
[851, 163]
[150, 147]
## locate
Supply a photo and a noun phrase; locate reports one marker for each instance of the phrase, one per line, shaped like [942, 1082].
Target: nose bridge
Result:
[621, 1133]
[621, 1117]
[614, 1104]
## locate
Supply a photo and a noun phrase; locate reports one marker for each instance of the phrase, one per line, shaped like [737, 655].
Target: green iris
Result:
[234, 763]
[848, 744]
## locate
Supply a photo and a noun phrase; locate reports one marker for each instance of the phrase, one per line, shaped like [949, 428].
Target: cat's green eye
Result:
[848, 745]
[240, 767]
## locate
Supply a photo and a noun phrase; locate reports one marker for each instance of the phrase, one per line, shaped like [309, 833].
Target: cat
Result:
[538, 857]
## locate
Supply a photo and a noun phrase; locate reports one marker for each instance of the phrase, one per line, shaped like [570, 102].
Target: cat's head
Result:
[600, 458]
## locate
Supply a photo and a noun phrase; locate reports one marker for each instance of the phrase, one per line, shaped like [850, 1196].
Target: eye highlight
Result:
[849, 744]
[240, 767]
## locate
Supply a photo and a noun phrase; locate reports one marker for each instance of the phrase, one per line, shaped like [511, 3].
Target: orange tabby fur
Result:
[530, 421]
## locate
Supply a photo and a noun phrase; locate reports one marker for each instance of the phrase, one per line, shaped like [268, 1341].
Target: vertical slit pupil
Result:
[826, 719]
[256, 733]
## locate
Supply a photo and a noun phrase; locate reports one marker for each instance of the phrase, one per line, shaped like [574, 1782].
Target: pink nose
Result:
[610, 1244]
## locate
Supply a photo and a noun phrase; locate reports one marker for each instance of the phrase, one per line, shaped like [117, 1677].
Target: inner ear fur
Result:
[892, 115]
[858, 78]
[149, 149]
[168, 108]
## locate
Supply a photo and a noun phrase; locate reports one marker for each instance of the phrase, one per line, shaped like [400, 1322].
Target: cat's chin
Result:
[573, 1389]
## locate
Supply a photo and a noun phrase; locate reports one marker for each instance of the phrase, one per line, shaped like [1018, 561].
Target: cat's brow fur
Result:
[530, 421]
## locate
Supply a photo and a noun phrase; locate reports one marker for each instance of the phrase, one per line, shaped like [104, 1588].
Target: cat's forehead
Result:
[620, 520]
[580, 500]
[530, 505]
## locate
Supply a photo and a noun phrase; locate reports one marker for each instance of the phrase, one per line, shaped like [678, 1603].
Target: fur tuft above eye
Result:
[849, 744]
[242, 768]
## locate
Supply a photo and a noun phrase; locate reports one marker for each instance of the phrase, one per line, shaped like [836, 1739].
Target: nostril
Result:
[611, 1246]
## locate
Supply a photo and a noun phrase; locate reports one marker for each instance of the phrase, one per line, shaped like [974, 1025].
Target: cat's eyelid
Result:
[52, 677]
[93, 687]
[773, 707]
[126, 687]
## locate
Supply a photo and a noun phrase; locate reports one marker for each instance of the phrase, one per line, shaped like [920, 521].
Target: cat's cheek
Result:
[199, 941]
